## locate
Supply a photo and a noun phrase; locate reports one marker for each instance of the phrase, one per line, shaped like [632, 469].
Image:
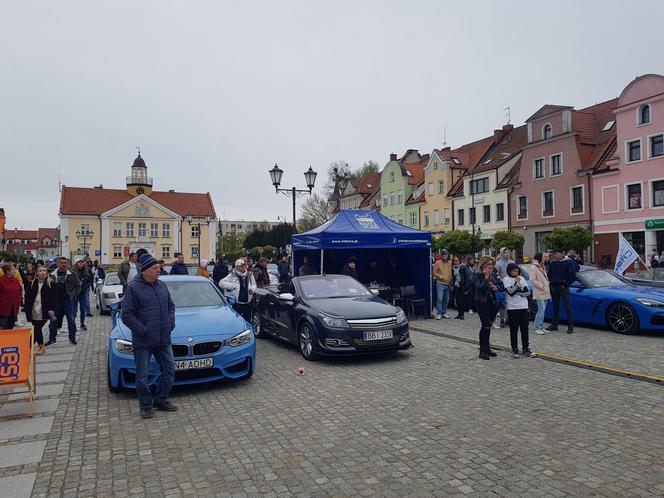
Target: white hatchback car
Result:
[108, 292]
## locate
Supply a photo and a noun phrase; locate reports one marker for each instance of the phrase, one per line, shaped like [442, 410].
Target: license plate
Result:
[377, 335]
[194, 364]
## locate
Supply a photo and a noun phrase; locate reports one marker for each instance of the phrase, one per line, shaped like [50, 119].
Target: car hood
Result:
[219, 322]
[632, 291]
[354, 307]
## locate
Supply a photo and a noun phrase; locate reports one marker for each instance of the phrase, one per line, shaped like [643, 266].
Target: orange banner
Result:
[15, 353]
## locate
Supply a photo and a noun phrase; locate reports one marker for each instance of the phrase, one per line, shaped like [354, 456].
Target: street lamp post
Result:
[208, 219]
[85, 235]
[310, 176]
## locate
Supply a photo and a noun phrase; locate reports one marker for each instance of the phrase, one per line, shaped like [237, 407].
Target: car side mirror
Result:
[286, 296]
[99, 281]
[374, 291]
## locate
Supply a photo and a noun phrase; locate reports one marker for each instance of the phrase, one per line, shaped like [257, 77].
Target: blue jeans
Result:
[83, 304]
[442, 297]
[62, 310]
[164, 357]
[539, 317]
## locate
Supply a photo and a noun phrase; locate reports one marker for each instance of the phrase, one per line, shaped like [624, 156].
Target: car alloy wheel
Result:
[622, 318]
[306, 339]
[257, 324]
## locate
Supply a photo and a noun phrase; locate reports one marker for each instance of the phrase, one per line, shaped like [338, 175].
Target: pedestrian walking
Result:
[261, 274]
[541, 291]
[517, 292]
[11, 296]
[179, 267]
[241, 285]
[562, 273]
[455, 292]
[128, 270]
[202, 270]
[83, 300]
[220, 271]
[100, 274]
[149, 312]
[504, 259]
[67, 288]
[443, 273]
[40, 304]
[283, 268]
[484, 293]
[466, 288]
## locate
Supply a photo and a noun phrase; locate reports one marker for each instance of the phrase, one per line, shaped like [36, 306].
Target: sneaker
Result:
[516, 354]
[83, 327]
[492, 353]
[147, 413]
[540, 332]
[73, 341]
[438, 317]
[50, 342]
[551, 328]
[470, 312]
[166, 406]
[89, 314]
[459, 317]
[484, 356]
[570, 330]
[528, 353]
[446, 316]
[496, 326]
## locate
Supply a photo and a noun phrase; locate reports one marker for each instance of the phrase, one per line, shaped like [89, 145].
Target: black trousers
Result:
[558, 292]
[458, 301]
[243, 309]
[487, 312]
[7, 322]
[518, 320]
[38, 325]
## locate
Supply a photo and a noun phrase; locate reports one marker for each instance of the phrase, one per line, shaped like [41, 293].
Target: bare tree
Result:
[314, 212]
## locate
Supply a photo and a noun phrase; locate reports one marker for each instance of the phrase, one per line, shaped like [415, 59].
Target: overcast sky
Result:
[216, 92]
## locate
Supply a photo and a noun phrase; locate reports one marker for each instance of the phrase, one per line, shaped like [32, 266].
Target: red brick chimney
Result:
[498, 135]
[393, 157]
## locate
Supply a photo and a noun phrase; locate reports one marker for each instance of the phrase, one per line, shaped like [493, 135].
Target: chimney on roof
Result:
[172, 191]
[498, 135]
[99, 186]
[393, 157]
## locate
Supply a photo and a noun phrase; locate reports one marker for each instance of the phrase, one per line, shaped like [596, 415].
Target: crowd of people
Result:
[499, 293]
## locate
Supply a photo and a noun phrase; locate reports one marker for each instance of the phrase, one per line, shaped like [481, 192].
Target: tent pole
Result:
[321, 261]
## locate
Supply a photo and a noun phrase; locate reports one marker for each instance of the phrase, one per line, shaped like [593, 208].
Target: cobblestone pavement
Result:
[640, 353]
[433, 421]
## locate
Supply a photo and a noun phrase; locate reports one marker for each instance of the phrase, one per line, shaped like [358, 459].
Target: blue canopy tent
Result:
[368, 236]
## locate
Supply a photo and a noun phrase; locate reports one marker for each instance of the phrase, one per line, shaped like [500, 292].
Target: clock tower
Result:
[139, 182]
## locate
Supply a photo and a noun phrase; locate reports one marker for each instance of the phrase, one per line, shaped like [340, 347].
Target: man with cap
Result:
[443, 273]
[562, 273]
[240, 284]
[67, 289]
[149, 312]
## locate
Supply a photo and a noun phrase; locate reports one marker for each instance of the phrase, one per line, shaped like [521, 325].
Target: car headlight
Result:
[401, 316]
[109, 295]
[650, 302]
[333, 321]
[240, 339]
[124, 346]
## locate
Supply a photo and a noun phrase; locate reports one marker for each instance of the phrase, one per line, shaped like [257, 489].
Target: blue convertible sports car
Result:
[602, 298]
[210, 340]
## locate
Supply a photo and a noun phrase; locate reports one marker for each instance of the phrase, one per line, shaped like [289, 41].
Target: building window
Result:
[400, 197]
[165, 251]
[117, 252]
[657, 146]
[634, 196]
[194, 251]
[500, 212]
[460, 217]
[486, 214]
[436, 217]
[577, 200]
[130, 229]
[194, 230]
[441, 186]
[538, 168]
[166, 230]
[430, 188]
[522, 207]
[392, 199]
[479, 186]
[85, 229]
[644, 114]
[412, 219]
[117, 229]
[154, 229]
[547, 131]
[386, 201]
[472, 216]
[634, 151]
[658, 193]
[391, 176]
[435, 165]
[557, 165]
[547, 203]
[446, 215]
[426, 218]
[142, 230]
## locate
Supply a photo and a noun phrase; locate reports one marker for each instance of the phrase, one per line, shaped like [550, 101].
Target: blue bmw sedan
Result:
[210, 340]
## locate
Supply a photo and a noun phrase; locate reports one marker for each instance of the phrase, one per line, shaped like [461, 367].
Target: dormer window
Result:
[644, 114]
[391, 176]
[547, 131]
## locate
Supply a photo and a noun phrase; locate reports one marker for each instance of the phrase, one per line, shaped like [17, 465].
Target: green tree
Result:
[458, 242]
[508, 239]
[577, 238]
[315, 211]
[367, 167]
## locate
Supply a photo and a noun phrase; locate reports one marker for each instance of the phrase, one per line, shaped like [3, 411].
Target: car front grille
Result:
[373, 323]
[380, 342]
[180, 350]
[207, 348]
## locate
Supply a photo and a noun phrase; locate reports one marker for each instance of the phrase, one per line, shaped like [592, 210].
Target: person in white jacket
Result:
[241, 285]
[516, 300]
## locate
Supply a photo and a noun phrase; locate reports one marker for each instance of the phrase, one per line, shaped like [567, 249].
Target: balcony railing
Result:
[137, 180]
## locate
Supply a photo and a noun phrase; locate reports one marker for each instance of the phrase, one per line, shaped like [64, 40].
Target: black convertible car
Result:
[329, 315]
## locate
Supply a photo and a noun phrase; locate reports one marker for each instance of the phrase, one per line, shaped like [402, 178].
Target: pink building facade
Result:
[628, 188]
[553, 187]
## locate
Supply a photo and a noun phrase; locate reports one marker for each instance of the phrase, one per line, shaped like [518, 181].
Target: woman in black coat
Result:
[485, 287]
[40, 304]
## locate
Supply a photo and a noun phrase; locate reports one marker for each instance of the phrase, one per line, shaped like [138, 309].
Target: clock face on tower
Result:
[140, 190]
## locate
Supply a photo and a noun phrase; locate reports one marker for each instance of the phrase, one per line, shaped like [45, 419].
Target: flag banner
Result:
[626, 256]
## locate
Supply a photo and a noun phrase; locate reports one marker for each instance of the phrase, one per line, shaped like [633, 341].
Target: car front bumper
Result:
[334, 342]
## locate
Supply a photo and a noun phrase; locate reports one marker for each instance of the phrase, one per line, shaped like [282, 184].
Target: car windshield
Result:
[112, 279]
[326, 287]
[194, 294]
[648, 274]
[599, 278]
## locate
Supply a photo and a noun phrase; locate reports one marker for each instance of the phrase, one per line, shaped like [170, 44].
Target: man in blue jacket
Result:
[562, 273]
[148, 310]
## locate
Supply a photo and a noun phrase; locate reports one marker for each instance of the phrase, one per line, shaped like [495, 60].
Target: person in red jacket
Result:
[11, 297]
